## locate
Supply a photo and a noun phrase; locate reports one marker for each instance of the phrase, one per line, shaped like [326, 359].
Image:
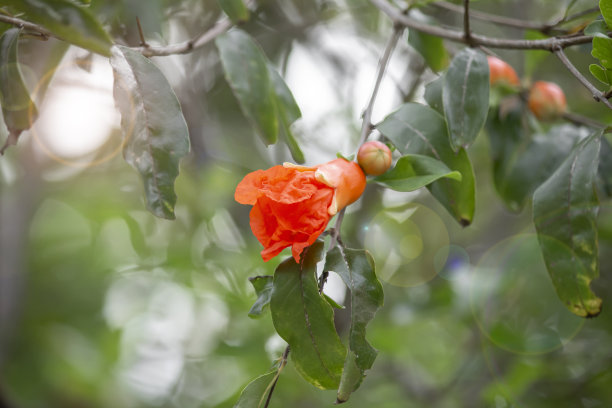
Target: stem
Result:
[280, 368]
[466, 21]
[583, 120]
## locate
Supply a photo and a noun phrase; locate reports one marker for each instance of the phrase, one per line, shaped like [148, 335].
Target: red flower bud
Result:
[374, 158]
[293, 204]
[546, 100]
[500, 73]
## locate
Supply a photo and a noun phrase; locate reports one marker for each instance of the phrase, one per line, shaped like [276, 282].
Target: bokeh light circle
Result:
[450, 261]
[404, 242]
[514, 301]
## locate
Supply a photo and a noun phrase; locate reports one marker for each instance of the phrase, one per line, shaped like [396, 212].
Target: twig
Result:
[583, 120]
[597, 94]
[466, 22]
[143, 42]
[283, 362]
[548, 44]
[335, 234]
[366, 126]
[17, 22]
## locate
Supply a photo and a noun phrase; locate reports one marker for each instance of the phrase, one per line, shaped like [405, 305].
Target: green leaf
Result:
[465, 96]
[153, 125]
[68, 21]
[414, 171]
[304, 319]
[418, 129]
[602, 50]
[236, 10]
[287, 111]
[263, 288]
[17, 107]
[534, 58]
[606, 11]
[605, 167]
[254, 394]
[602, 74]
[433, 94]
[356, 268]
[246, 71]
[564, 212]
[596, 27]
[430, 47]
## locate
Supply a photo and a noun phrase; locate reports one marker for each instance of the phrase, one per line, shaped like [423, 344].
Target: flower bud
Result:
[500, 73]
[546, 100]
[374, 158]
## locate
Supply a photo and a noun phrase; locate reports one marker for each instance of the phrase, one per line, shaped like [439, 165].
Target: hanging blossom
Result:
[292, 204]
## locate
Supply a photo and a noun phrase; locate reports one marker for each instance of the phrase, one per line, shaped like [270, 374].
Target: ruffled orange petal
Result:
[346, 177]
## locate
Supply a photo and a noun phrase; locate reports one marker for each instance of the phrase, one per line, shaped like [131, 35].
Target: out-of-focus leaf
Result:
[433, 94]
[263, 288]
[602, 74]
[606, 11]
[418, 129]
[465, 96]
[247, 73]
[430, 47]
[596, 27]
[564, 212]
[17, 107]
[304, 319]
[605, 167]
[236, 10]
[254, 394]
[602, 50]
[68, 21]
[356, 268]
[533, 58]
[288, 112]
[153, 125]
[414, 171]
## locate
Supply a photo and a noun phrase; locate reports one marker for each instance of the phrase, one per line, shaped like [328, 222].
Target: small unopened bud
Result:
[501, 73]
[374, 158]
[546, 100]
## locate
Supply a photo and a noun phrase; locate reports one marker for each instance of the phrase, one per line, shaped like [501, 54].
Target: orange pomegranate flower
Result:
[293, 204]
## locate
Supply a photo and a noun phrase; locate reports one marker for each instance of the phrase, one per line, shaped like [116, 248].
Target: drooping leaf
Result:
[430, 47]
[18, 109]
[255, 393]
[304, 319]
[602, 50]
[596, 27]
[564, 212]
[602, 74]
[68, 21]
[153, 125]
[433, 94]
[605, 167]
[246, 71]
[414, 171]
[236, 10]
[418, 129]
[465, 95]
[356, 268]
[606, 11]
[263, 288]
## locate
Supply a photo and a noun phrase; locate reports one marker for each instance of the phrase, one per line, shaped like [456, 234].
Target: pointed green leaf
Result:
[418, 129]
[430, 47]
[564, 212]
[255, 393]
[236, 10]
[596, 27]
[356, 268]
[17, 107]
[66, 20]
[414, 171]
[465, 95]
[602, 74]
[602, 50]
[246, 72]
[153, 125]
[304, 319]
[606, 11]
[263, 288]
[433, 94]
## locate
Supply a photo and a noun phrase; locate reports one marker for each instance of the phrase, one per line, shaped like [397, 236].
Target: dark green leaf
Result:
[414, 171]
[602, 74]
[17, 107]
[356, 268]
[68, 21]
[255, 393]
[418, 129]
[602, 50]
[304, 319]
[605, 167]
[246, 71]
[606, 11]
[153, 125]
[433, 94]
[564, 212]
[236, 10]
[430, 47]
[263, 288]
[465, 95]
[596, 27]
[332, 302]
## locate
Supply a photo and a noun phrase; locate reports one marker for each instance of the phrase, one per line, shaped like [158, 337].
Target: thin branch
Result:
[597, 94]
[549, 44]
[143, 42]
[466, 22]
[283, 362]
[366, 126]
[583, 120]
[17, 22]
